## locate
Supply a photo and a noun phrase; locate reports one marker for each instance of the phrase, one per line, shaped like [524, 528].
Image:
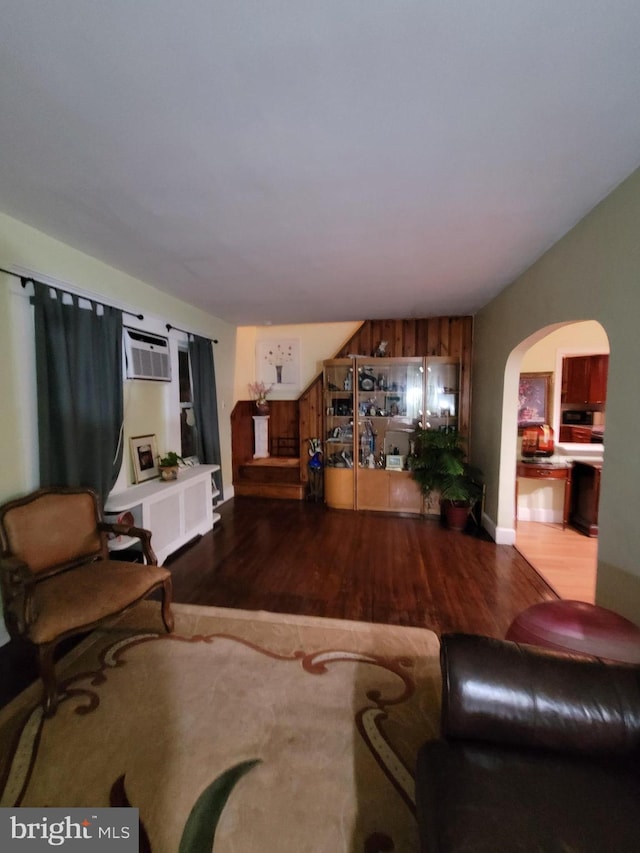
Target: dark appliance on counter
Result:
[577, 417]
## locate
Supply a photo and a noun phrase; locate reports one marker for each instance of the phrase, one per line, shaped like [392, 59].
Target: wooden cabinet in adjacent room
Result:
[575, 383]
[565, 433]
[598, 372]
[580, 434]
[585, 497]
[584, 379]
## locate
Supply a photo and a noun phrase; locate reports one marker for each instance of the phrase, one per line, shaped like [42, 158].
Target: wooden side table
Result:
[547, 471]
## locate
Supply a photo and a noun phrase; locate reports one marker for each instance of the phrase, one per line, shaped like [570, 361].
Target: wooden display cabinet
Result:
[393, 491]
[339, 395]
[372, 407]
[338, 488]
[442, 401]
[389, 402]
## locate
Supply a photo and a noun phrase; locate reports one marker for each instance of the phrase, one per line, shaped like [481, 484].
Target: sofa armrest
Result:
[17, 582]
[503, 692]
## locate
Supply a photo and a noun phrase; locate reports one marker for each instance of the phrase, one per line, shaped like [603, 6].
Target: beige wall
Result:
[148, 406]
[588, 336]
[318, 341]
[593, 273]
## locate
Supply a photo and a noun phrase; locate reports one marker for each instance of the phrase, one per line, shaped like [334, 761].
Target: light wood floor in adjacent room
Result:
[565, 558]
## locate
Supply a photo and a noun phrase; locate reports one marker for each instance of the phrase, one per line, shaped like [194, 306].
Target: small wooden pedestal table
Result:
[537, 470]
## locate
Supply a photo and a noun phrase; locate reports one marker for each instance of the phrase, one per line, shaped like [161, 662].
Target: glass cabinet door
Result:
[339, 395]
[390, 404]
[443, 393]
[338, 399]
[372, 408]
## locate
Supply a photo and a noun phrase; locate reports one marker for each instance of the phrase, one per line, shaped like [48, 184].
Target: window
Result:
[187, 418]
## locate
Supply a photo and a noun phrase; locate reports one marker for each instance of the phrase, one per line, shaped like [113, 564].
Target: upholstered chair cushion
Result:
[87, 594]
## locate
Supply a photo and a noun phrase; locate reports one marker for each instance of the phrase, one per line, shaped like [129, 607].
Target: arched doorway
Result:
[565, 557]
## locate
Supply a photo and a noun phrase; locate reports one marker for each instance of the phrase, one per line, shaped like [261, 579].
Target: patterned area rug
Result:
[245, 731]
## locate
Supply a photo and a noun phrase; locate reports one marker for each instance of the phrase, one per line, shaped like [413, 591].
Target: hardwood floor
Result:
[566, 558]
[299, 557]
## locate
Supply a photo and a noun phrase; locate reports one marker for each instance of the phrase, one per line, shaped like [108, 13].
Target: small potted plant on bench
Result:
[168, 465]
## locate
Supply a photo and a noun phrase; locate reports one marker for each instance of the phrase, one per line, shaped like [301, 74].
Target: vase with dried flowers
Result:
[259, 391]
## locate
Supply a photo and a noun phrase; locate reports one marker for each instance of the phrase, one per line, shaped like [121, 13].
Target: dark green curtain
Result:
[79, 382]
[205, 403]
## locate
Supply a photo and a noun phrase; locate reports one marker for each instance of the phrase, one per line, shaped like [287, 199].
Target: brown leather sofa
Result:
[539, 752]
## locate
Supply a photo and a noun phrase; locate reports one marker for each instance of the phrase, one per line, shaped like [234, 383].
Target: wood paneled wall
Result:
[311, 422]
[435, 336]
[241, 435]
[283, 423]
[432, 336]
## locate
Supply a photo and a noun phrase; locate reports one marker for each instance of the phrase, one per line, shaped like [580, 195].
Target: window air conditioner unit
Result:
[146, 355]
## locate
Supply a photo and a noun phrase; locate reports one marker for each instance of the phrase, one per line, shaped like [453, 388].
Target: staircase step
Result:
[273, 469]
[280, 491]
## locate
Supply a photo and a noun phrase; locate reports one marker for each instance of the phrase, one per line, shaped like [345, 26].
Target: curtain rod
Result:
[185, 332]
[25, 279]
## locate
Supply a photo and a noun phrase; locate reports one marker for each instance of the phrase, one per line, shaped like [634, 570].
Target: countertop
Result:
[573, 452]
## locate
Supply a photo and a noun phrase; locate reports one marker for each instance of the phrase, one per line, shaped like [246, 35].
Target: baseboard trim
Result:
[500, 535]
[540, 514]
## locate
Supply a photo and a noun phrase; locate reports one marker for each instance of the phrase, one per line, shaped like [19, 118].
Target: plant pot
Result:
[168, 472]
[456, 514]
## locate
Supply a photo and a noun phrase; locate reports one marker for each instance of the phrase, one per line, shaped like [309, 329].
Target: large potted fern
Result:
[438, 465]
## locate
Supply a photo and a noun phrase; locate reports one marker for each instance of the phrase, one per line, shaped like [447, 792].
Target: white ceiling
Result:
[294, 161]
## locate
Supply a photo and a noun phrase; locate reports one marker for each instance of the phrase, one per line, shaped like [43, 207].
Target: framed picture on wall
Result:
[534, 399]
[144, 452]
[278, 363]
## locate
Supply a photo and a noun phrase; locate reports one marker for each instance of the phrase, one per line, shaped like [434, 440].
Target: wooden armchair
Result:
[56, 576]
